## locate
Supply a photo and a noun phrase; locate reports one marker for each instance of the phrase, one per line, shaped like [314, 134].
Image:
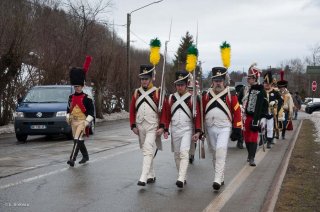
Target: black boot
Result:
[283, 134]
[261, 140]
[141, 183]
[83, 151]
[269, 141]
[240, 144]
[248, 149]
[74, 153]
[216, 186]
[151, 180]
[191, 159]
[251, 162]
[179, 184]
[253, 149]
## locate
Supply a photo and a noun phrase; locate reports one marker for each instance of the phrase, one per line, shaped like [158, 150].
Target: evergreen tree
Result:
[179, 62]
[181, 55]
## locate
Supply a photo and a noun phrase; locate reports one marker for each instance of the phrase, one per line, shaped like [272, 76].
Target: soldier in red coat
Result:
[144, 122]
[80, 112]
[222, 121]
[256, 108]
[184, 127]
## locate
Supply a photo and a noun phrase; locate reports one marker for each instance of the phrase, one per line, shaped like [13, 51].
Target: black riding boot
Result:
[84, 152]
[248, 149]
[240, 143]
[283, 134]
[253, 149]
[74, 153]
[269, 142]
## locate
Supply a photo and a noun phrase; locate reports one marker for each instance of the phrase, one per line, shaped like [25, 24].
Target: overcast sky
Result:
[263, 31]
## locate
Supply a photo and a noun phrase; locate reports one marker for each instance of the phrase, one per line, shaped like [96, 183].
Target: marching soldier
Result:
[255, 110]
[276, 116]
[274, 105]
[179, 114]
[144, 122]
[222, 117]
[286, 112]
[80, 113]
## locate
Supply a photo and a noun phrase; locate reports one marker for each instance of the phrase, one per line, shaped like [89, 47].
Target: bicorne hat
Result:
[219, 73]
[182, 77]
[268, 78]
[146, 71]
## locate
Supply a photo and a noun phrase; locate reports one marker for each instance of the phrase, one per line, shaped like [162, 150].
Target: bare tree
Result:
[14, 47]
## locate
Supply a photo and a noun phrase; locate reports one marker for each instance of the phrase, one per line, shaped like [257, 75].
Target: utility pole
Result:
[128, 62]
[128, 52]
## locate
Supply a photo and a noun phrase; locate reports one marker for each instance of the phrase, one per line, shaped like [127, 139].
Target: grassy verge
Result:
[300, 190]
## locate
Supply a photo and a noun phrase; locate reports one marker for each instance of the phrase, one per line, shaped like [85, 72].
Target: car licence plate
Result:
[38, 127]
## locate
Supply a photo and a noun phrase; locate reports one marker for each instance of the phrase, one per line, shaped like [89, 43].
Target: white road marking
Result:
[64, 169]
[236, 182]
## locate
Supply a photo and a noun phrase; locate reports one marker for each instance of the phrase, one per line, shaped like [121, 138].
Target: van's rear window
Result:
[48, 95]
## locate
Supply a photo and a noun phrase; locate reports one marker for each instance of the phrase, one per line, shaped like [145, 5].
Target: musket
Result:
[194, 109]
[202, 153]
[194, 93]
[162, 91]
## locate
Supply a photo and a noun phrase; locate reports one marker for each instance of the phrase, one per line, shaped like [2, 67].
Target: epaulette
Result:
[232, 89]
[89, 96]
[233, 92]
[135, 94]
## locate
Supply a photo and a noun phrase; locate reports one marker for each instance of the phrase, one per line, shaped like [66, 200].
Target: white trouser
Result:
[147, 136]
[182, 162]
[218, 139]
[181, 140]
[270, 125]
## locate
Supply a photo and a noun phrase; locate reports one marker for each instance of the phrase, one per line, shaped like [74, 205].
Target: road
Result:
[34, 176]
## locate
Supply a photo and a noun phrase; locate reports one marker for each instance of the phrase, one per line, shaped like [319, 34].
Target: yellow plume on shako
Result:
[155, 45]
[225, 50]
[192, 57]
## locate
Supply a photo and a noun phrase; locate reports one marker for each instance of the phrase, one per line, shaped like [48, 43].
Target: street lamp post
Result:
[128, 49]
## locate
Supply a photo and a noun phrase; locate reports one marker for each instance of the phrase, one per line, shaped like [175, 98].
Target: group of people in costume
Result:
[225, 114]
[267, 110]
[218, 115]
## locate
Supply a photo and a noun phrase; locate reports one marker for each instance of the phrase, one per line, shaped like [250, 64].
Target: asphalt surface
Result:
[34, 176]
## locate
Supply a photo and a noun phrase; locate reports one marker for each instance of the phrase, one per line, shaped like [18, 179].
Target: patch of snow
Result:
[315, 118]
[114, 116]
[7, 129]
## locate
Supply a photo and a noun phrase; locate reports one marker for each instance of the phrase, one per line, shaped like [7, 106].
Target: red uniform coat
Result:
[232, 104]
[133, 110]
[166, 119]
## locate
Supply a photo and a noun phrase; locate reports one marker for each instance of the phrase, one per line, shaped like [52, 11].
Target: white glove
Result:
[263, 123]
[88, 120]
[68, 118]
[272, 103]
[282, 118]
[242, 109]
